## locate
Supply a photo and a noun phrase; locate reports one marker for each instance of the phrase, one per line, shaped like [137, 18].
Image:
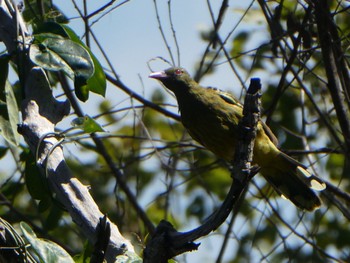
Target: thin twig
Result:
[333, 57]
[160, 27]
[174, 33]
[138, 97]
[103, 151]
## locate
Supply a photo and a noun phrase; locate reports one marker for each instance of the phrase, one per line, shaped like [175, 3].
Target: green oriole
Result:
[211, 117]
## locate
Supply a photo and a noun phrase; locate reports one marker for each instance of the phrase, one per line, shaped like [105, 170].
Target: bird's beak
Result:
[158, 75]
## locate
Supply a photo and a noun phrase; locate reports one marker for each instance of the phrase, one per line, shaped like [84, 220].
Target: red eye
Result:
[178, 72]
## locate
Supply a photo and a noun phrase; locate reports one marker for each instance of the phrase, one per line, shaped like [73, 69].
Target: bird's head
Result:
[176, 79]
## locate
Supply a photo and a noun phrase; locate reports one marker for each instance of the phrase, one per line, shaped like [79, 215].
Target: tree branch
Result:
[41, 112]
[141, 99]
[335, 66]
[118, 174]
[166, 242]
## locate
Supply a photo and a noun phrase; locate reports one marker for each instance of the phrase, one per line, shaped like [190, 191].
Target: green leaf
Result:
[46, 250]
[85, 255]
[8, 105]
[53, 52]
[36, 184]
[53, 217]
[3, 151]
[128, 257]
[87, 124]
[33, 12]
[53, 28]
[81, 88]
[4, 69]
[13, 111]
[97, 82]
[11, 189]
[44, 204]
[41, 55]
[9, 116]
[197, 207]
[239, 43]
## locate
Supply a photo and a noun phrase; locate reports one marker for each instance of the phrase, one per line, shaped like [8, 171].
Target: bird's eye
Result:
[178, 72]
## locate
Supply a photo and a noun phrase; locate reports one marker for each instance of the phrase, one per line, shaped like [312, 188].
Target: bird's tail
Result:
[291, 180]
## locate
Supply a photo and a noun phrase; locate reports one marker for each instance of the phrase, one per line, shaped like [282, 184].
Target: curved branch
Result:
[166, 242]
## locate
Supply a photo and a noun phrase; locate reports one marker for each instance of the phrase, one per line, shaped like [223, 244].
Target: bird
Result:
[211, 118]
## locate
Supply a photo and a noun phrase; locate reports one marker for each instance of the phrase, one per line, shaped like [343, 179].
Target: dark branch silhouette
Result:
[166, 242]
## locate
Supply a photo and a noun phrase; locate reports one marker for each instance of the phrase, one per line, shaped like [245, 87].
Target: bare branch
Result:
[335, 66]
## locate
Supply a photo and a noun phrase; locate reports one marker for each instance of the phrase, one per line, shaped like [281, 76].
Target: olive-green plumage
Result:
[211, 117]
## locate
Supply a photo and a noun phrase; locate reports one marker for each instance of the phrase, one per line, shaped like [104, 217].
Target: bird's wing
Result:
[229, 98]
[269, 133]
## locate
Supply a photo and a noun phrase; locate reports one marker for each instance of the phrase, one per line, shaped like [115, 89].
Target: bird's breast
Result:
[213, 122]
[211, 125]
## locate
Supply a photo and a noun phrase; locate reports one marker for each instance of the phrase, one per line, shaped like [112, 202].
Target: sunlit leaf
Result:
[87, 124]
[129, 257]
[54, 52]
[9, 116]
[33, 12]
[239, 45]
[46, 250]
[81, 88]
[97, 82]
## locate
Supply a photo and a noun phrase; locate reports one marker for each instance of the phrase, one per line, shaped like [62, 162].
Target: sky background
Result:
[130, 37]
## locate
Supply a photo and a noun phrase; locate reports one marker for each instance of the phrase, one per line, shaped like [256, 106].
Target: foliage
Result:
[9, 116]
[57, 48]
[171, 176]
[46, 250]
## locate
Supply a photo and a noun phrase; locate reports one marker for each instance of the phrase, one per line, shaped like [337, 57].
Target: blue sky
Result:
[130, 37]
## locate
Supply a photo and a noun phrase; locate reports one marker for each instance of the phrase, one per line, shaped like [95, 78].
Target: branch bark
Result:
[167, 242]
[335, 66]
[41, 112]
